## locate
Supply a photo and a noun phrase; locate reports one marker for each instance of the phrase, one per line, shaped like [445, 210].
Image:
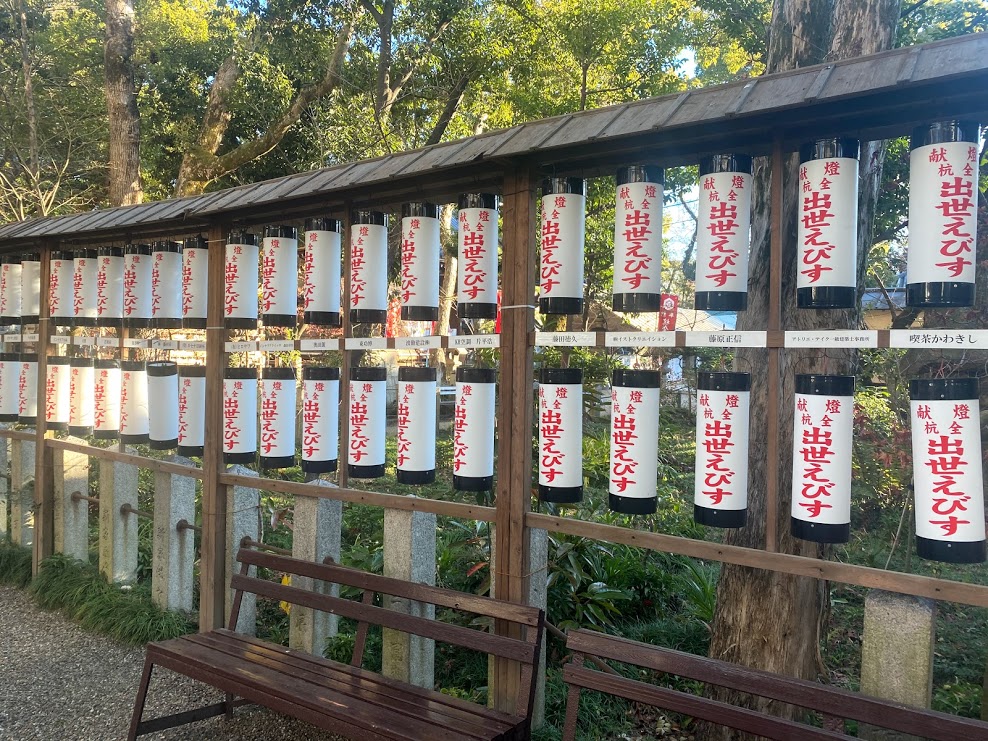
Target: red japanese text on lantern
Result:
[477, 275]
[561, 242]
[638, 239]
[560, 434]
[634, 441]
[722, 450]
[827, 226]
[822, 459]
[723, 221]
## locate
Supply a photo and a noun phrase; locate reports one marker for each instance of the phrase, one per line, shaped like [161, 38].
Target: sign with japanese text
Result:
[239, 414]
[827, 226]
[419, 289]
[367, 410]
[277, 418]
[57, 393]
[137, 286]
[416, 438]
[27, 389]
[368, 276]
[322, 262]
[476, 280]
[134, 422]
[60, 288]
[560, 421]
[166, 285]
[561, 243]
[638, 239]
[279, 277]
[721, 481]
[106, 399]
[634, 436]
[240, 282]
[195, 281]
[30, 287]
[473, 429]
[109, 286]
[723, 223]
[81, 406]
[668, 313]
[10, 372]
[191, 409]
[84, 287]
[320, 419]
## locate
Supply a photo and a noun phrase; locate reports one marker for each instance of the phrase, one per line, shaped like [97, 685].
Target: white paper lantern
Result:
[473, 429]
[945, 415]
[821, 458]
[31, 288]
[195, 282]
[320, 419]
[368, 398]
[10, 374]
[560, 419]
[81, 403]
[323, 269]
[27, 390]
[279, 276]
[720, 492]
[166, 285]
[240, 414]
[561, 241]
[416, 443]
[162, 382]
[420, 261]
[58, 400]
[277, 441]
[191, 410]
[60, 288]
[107, 383]
[476, 282]
[10, 289]
[135, 426]
[723, 233]
[368, 267]
[638, 239]
[240, 281]
[943, 214]
[110, 286]
[634, 441]
[827, 233]
[84, 288]
[137, 285]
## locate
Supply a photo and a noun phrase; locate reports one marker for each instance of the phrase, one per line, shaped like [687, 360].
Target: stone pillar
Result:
[4, 489]
[409, 554]
[173, 551]
[243, 518]
[117, 532]
[22, 492]
[317, 534]
[71, 474]
[897, 653]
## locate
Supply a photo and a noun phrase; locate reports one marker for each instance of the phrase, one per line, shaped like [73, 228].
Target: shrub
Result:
[15, 565]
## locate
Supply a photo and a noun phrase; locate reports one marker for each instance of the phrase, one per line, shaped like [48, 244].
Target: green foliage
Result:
[577, 599]
[15, 565]
[958, 698]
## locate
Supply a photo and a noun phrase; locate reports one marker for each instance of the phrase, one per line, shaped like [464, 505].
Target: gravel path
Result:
[60, 683]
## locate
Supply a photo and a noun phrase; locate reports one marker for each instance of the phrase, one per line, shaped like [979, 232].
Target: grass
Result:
[15, 565]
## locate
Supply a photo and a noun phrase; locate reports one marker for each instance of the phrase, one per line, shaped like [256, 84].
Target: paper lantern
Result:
[473, 429]
[107, 390]
[943, 214]
[420, 261]
[58, 401]
[722, 233]
[10, 374]
[638, 239]
[240, 414]
[10, 289]
[191, 410]
[821, 458]
[84, 288]
[947, 470]
[368, 398]
[137, 286]
[135, 426]
[109, 286]
[277, 441]
[27, 390]
[323, 268]
[279, 276]
[320, 419]
[561, 241]
[827, 230]
[368, 267]
[416, 461]
[81, 403]
[162, 380]
[634, 466]
[60, 289]
[560, 419]
[195, 282]
[31, 288]
[166, 285]
[240, 281]
[476, 281]
[720, 492]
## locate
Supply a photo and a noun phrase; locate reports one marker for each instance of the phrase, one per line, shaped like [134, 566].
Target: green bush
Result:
[15, 565]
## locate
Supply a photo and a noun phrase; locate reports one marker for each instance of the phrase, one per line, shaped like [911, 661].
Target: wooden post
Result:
[212, 558]
[44, 492]
[514, 461]
[774, 324]
[342, 472]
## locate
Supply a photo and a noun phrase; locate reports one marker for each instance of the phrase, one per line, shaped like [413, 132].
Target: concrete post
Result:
[22, 492]
[71, 474]
[117, 532]
[4, 489]
[897, 653]
[318, 522]
[243, 518]
[409, 554]
[173, 551]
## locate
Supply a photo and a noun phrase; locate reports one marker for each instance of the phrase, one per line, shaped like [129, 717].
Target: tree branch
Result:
[906, 12]
[452, 103]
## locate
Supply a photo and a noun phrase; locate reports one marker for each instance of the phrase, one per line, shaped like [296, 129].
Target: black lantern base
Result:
[942, 550]
[9, 417]
[137, 323]
[135, 439]
[940, 294]
[476, 311]
[365, 472]
[632, 505]
[167, 322]
[416, 477]
[719, 517]
[240, 457]
[279, 320]
[191, 451]
[281, 461]
[27, 420]
[636, 303]
[163, 444]
[240, 323]
[111, 321]
[561, 305]
[368, 316]
[84, 321]
[322, 318]
[320, 466]
[721, 300]
[820, 532]
[78, 431]
[827, 297]
[106, 434]
[193, 323]
[420, 313]
[57, 426]
[560, 494]
[57, 321]
[28, 319]
[473, 483]
[10, 320]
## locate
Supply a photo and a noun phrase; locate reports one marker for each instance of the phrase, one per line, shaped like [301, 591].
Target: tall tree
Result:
[121, 105]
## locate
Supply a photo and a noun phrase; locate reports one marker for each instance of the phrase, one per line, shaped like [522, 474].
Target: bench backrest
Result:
[811, 695]
[522, 620]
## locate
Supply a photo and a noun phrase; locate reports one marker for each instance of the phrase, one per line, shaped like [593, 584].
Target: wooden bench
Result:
[347, 699]
[830, 701]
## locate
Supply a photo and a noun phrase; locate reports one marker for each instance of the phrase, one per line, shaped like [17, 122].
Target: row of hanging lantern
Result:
[946, 446]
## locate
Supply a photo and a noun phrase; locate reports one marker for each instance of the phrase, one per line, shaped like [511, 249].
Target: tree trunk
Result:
[29, 109]
[765, 619]
[443, 359]
[121, 105]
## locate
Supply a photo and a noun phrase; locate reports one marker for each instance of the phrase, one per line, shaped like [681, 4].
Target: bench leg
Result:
[229, 706]
[142, 694]
[572, 710]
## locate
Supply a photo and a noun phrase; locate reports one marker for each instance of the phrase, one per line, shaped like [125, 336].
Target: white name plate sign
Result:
[726, 339]
[640, 339]
[837, 338]
[565, 339]
[467, 341]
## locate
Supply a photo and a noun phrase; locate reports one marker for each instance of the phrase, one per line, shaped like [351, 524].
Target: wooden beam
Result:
[774, 325]
[44, 492]
[343, 470]
[139, 461]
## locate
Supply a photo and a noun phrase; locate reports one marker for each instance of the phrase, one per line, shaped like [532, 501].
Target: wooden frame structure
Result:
[870, 98]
